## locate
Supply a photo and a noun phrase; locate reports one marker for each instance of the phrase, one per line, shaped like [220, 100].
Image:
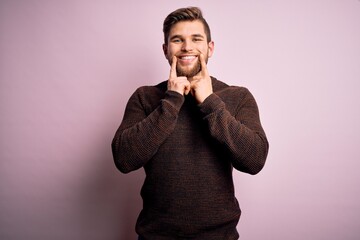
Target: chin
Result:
[188, 72]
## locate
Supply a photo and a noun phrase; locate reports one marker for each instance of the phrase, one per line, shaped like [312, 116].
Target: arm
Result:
[240, 133]
[140, 135]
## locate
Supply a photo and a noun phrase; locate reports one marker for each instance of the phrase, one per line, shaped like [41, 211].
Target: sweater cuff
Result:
[211, 104]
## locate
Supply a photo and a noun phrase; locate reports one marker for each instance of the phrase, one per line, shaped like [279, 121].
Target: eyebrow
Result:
[198, 35]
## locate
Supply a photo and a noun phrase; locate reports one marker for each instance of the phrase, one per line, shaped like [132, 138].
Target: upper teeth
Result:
[187, 57]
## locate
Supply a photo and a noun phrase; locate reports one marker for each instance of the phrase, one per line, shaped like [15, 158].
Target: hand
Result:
[175, 83]
[201, 85]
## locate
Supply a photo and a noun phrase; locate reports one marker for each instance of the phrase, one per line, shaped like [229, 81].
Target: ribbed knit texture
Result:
[188, 151]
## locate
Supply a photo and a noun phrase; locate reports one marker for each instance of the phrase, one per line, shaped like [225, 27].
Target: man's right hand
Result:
[175, 83]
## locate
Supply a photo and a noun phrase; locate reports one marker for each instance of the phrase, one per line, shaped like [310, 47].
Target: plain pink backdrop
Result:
[67, 69]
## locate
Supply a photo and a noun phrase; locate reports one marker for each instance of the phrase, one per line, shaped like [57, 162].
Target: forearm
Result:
[138, 138]
[240, 135]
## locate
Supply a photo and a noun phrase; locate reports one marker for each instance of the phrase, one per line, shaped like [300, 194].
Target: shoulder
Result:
[152, 89]
[150, 92]
[227, 92]
[234, 97]
[149, 96]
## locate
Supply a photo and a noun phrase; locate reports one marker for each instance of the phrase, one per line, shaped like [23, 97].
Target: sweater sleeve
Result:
[240, 133]
[140, 134]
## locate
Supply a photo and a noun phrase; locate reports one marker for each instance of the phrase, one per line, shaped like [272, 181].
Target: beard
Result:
[189, 73]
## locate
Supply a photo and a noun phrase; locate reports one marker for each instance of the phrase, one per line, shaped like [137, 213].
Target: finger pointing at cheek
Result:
[204, 72]
[175, 83]
[173, 68]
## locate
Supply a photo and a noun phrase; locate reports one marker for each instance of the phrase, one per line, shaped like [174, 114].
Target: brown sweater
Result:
[188, 152]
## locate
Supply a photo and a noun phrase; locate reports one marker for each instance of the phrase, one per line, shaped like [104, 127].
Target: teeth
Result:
[187, 57]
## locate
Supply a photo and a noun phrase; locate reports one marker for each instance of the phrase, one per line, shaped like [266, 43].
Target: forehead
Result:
[187, 28]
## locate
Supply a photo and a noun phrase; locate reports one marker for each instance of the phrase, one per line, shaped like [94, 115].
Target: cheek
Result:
[171, 53]
[204, 50]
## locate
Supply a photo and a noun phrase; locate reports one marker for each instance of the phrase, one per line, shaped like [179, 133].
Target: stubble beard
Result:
[189, 73]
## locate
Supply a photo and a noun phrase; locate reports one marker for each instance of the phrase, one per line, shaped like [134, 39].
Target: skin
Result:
[188, 51]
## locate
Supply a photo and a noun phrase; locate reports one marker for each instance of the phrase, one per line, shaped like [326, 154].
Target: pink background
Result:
[67, 69]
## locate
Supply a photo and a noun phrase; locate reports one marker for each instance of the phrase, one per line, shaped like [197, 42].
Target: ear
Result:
[211, 47]
[165, 50]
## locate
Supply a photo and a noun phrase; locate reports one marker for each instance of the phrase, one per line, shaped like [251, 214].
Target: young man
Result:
[188, 133]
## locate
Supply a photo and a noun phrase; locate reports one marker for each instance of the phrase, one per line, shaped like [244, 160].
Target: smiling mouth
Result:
[188, 57]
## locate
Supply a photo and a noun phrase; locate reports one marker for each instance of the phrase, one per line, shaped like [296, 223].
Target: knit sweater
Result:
[188, 151]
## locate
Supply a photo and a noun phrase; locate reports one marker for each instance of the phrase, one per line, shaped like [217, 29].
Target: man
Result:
[188, 133]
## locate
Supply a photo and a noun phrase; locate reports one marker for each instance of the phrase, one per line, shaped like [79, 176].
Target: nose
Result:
[187, 46]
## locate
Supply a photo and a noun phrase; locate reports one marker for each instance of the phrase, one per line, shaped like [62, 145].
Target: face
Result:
[187, 39]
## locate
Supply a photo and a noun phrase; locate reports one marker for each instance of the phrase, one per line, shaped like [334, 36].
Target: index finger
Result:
[203, 64]
[173, 73]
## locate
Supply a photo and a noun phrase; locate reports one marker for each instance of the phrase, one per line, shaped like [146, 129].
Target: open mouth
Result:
[187, 58]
